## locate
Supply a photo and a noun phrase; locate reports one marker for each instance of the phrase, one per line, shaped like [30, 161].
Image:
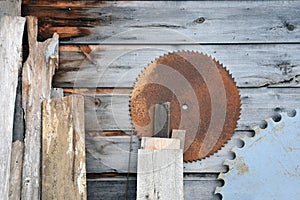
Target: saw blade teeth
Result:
[144, 71]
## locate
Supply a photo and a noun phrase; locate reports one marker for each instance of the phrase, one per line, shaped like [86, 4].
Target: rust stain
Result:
[278, 127]
[241, 166]
[147, 93]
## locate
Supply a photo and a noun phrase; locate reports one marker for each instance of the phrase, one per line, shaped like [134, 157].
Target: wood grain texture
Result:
[154, 22]
[11, 32]
[10, 7]
[160, 174]
[153, 143]
[110, 155]
[196, 186]
[15, 179]
[111, 111]
[118, 66]
[179, 134]
[36, 86]
[63, 149]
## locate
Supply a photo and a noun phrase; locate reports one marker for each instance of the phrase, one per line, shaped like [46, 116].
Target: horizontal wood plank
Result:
[200, 187]
[111, 111]
[111, 155]
[154, 21]
[118, 66]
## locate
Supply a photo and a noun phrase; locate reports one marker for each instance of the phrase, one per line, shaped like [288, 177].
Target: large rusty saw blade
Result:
[204, 100]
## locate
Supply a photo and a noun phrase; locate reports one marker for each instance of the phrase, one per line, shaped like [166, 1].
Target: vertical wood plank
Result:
[63, 149]
[15, 181]
[160, 174]
[10, 8]
[160, 169]
[161, 125]
[179, 134]
[11, 32]
[36, 86]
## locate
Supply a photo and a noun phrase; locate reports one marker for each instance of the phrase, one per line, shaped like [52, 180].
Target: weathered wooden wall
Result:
[105, 45]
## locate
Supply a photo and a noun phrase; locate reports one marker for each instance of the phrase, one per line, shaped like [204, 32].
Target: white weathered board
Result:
[119, 65]
[63, 149]
[36, 86]
[11, 33]
[160, 174]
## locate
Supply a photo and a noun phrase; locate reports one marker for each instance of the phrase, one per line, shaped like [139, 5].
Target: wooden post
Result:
[161, 125]
[63, 154]
[160, 171]
[11, 32]
[36, 86]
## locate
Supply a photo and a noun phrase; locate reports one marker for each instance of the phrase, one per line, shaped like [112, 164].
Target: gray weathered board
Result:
[170, 22]
[119, 65]
[11, 33]
[196, 187]
[160, 174]
[111, 111]
[10, 7]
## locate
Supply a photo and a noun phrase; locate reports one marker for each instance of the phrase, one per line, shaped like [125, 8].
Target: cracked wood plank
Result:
[11, 33]
[187, 21]
[92, 66]
[63, 149]
[36, 86]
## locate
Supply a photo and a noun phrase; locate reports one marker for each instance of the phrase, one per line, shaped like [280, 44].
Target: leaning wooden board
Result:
[257, 41]
[10, 63]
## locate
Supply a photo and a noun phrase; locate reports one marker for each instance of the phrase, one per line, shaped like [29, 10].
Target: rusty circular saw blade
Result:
[204, 100]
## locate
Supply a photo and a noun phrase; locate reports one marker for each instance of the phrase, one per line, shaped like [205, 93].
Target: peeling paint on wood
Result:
[36, 86]
[63, 149]
[11, 33]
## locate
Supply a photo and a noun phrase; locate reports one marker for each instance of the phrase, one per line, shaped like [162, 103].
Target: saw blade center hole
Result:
[184, 107]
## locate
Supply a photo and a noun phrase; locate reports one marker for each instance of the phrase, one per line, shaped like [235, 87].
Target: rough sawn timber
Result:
[63, 149]
[36, 86]
[11, 33]
[10, 7]
[15, 182]
[160, 169]
[109, 111]
[154, 21]
[91, 66]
